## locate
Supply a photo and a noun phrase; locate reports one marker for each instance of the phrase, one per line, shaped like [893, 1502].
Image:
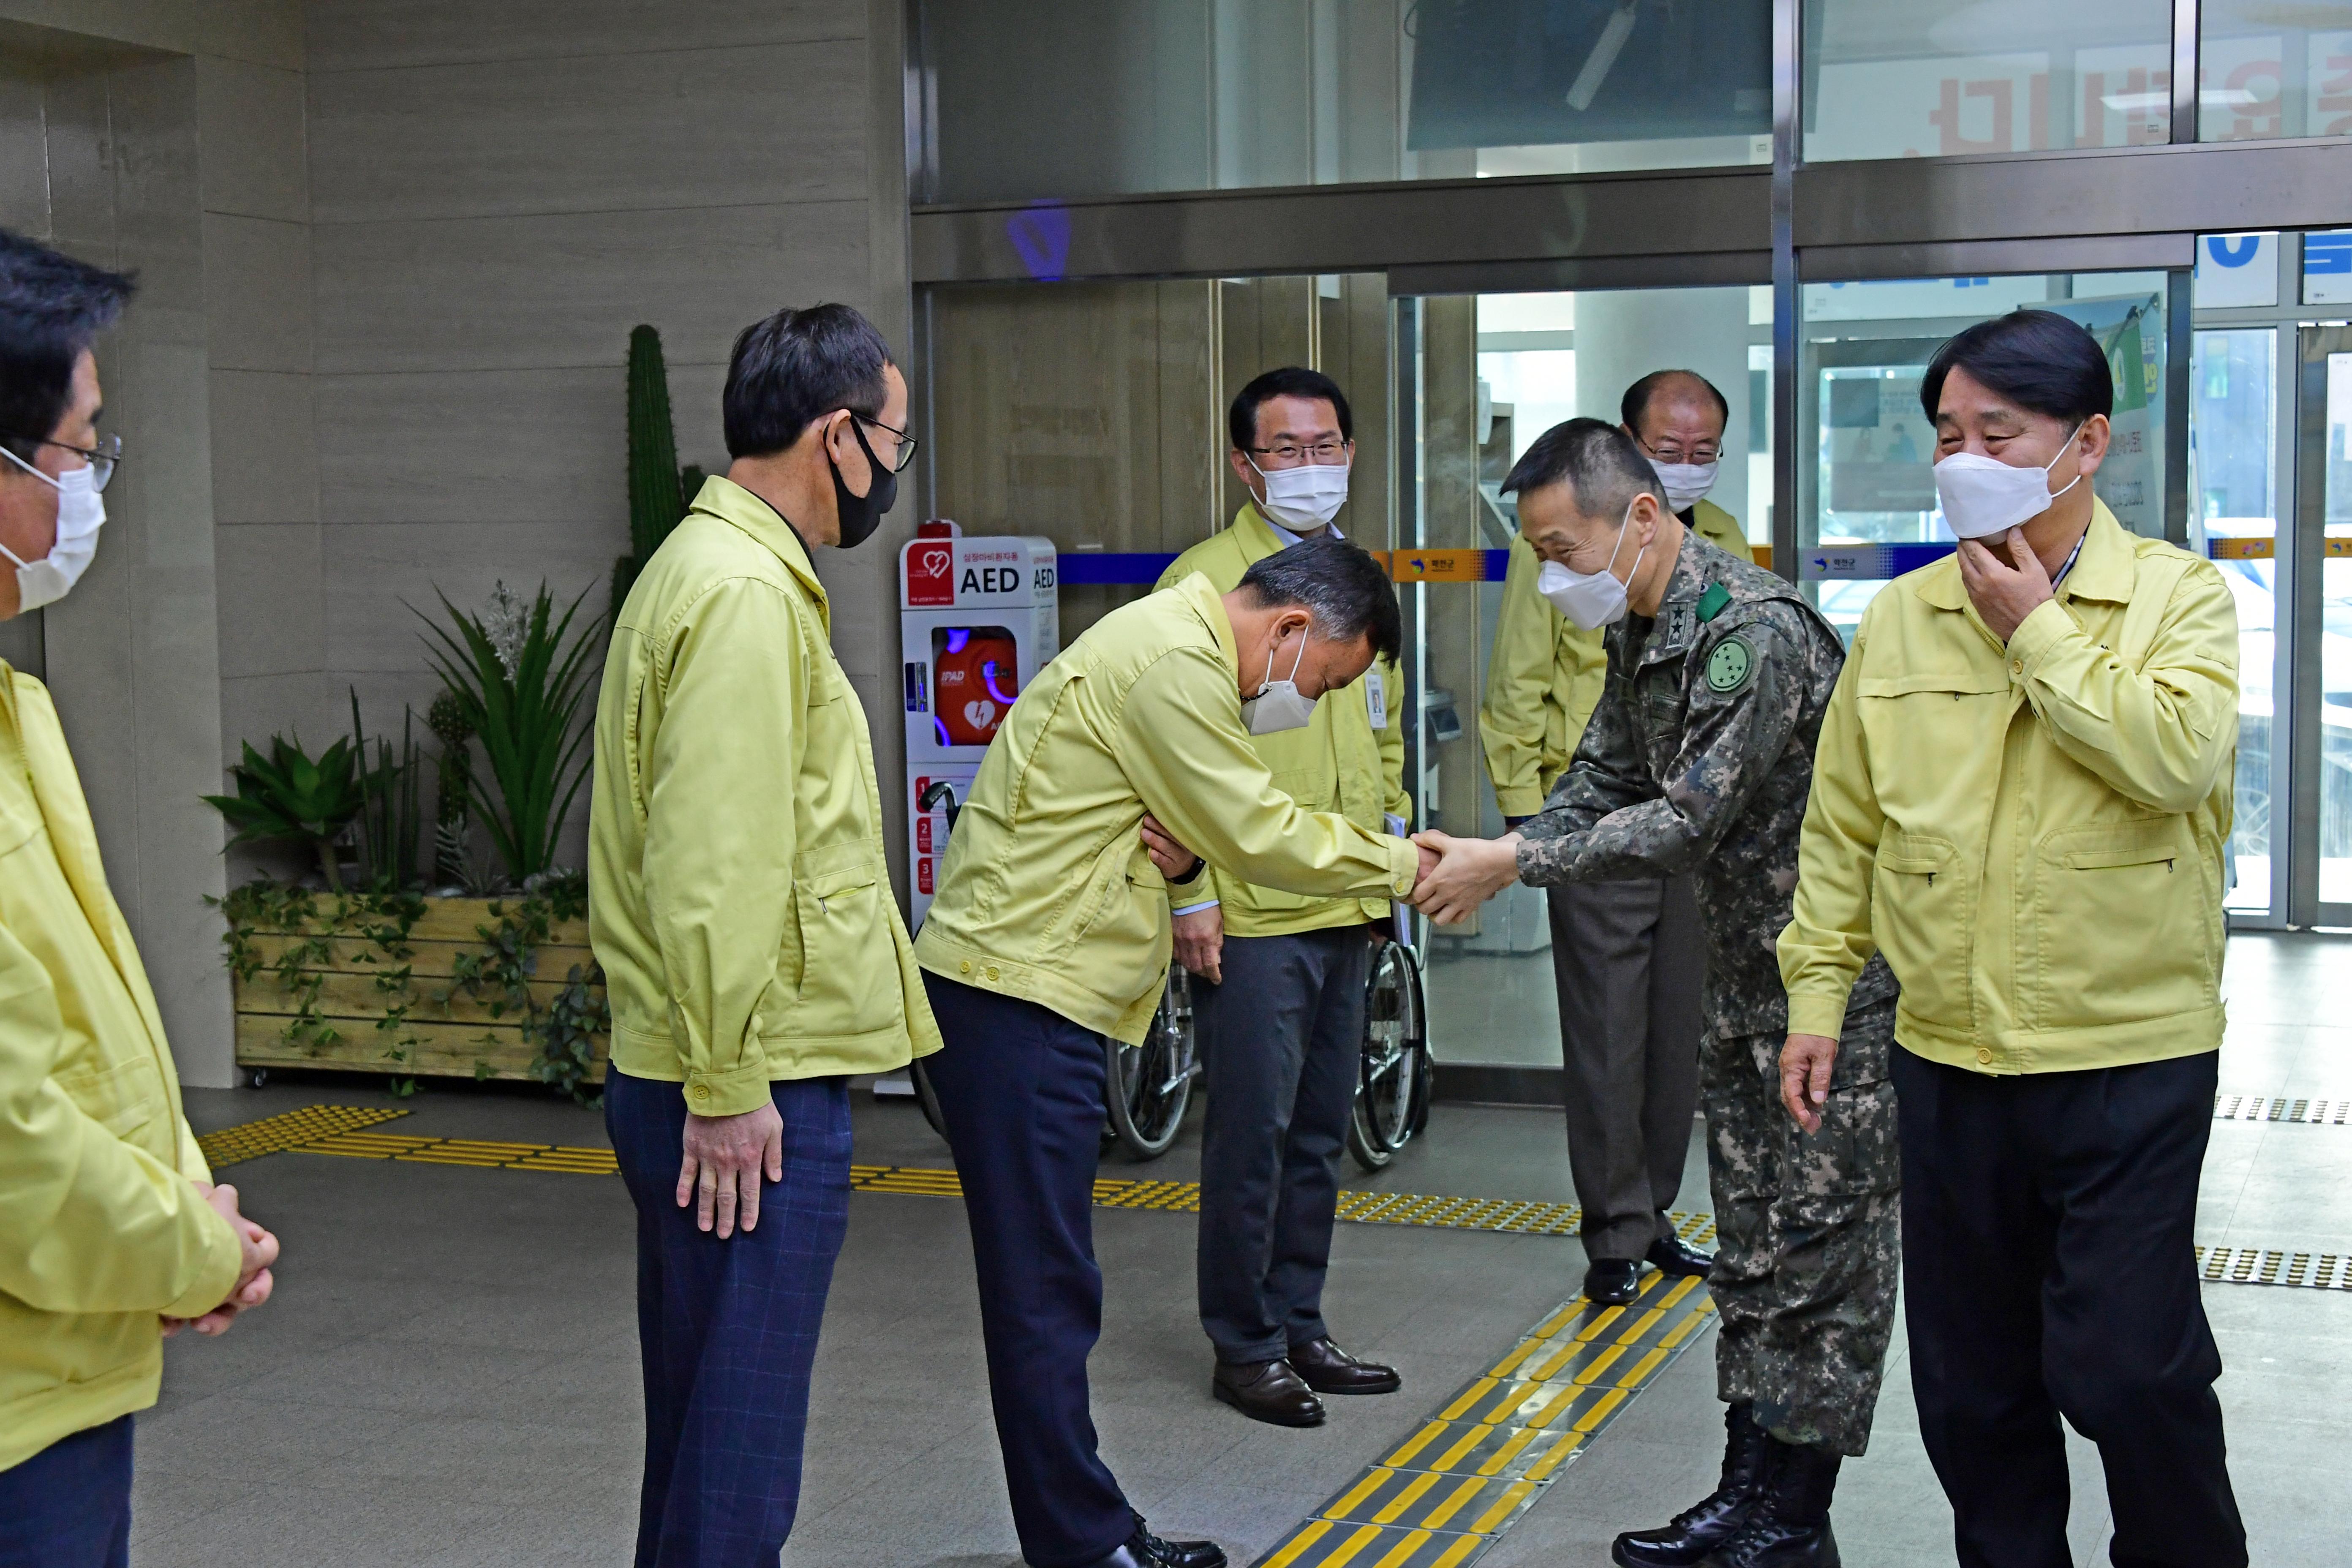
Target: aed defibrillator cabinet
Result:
[978, 618]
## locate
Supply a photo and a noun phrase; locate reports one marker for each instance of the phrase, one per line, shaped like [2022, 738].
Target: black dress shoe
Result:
[1674, 1256]
[1328, 1369]
[1145, 1549]
[1267, 1391]
[1613, 1281]
[1714, 1520]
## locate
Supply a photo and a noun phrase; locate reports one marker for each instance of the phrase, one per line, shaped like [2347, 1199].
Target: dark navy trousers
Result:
[728, 1328]
[68, 1506]
[1283, 1040]
[1020, 1088]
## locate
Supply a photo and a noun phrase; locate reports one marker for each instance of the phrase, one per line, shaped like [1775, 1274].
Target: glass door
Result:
[2321, 652]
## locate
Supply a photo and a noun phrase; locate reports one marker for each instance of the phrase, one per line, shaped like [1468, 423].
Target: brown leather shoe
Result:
[1328, 1369]
[1267, 1391]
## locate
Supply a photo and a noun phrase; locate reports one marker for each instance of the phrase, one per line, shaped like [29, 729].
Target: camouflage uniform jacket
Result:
[1699, 758]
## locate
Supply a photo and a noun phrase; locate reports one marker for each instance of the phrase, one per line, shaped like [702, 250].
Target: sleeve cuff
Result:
[728, 1093]
[217, 1277]
[1817, 1015]
[2035, 636]
[1404, 867]
[1195, 909]
[1519, 801]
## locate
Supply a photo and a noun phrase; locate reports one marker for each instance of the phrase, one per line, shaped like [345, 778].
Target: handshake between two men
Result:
[1456, 877]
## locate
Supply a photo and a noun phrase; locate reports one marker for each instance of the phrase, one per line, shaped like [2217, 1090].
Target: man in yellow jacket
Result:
[1051, 929]
[752, 952]
[2021, 798]
[1280, 995]
[1627, 957]
[111, 1232]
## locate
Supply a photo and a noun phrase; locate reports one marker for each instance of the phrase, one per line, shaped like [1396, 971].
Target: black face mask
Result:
[861, 515]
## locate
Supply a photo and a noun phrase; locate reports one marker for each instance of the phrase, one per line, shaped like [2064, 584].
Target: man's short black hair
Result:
[1594, 458]
[1636, 401]
[1290, 381]
[2039, 360]
[1342, 586]
[797, 366]
[51, 309]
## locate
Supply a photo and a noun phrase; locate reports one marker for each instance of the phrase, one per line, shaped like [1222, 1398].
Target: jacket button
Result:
[965, 967]
[1984, 1057]
[991, 972]
[702, 1092]
[2017, 667]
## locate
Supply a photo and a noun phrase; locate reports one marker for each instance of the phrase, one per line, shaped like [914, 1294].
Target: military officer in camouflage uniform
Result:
[1699, 758]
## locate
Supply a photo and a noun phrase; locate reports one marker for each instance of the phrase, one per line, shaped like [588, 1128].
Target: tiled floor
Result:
[449, 1374]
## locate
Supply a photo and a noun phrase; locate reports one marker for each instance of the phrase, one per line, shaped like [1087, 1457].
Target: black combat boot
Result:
[1714, 1519]
[1789, 1525]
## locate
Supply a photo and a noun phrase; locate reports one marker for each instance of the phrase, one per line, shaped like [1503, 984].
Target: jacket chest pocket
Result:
[2121, 928]
[1935, 740]
[122, 1098]
[1921, 908]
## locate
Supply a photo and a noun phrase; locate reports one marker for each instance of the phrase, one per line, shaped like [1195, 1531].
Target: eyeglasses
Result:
[906, 441]
[102, 458]
[1671, 452]
[1288, 454]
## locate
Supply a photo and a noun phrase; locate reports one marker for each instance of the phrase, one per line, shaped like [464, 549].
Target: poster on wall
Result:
[2130, 327]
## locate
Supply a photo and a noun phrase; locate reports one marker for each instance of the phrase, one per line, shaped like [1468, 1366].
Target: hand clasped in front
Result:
[1468, 872]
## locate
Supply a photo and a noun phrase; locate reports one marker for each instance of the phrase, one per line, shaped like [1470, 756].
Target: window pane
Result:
[2336, 646]
[2232, 436]
[1177, 95]
[1866, 495]
[2266, 69]
[1911, 79]
[2327, 267]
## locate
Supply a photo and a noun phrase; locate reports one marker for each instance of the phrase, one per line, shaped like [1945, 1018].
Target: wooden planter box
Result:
[443, 1035]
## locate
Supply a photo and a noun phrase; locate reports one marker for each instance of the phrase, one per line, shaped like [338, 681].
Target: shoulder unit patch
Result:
[1730, 664]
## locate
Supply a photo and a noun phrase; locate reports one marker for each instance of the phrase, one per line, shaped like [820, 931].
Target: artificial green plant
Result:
[290, 794]
[389, 820]
[659, 491]
[519, 686]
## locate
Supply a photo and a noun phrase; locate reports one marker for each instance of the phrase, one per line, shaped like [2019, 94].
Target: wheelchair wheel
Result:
[927, 1096]
[1149, 1086]
[1392, 1088]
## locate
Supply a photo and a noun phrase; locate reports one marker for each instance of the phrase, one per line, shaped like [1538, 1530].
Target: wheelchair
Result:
[1146, 1087]
[1394, 1077]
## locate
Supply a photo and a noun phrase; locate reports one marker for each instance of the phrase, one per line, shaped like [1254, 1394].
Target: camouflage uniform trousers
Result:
[1809, 1248]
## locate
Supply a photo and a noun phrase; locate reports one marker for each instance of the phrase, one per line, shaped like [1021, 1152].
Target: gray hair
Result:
[1342, 586]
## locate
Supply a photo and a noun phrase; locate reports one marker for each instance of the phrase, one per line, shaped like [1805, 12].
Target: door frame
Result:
[2315, 345]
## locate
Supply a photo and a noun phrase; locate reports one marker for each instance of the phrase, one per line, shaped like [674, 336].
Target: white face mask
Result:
[1686, 483]
[1277, 705]
[81, 512]
[1305, 497]
[1984, 496]
[1591, 599]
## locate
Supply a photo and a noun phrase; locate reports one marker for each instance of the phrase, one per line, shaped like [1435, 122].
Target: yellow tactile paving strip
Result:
[2280, 1107]
[1486, 1455]
[290, 1129]
[2260, 1265]
[351, 1131]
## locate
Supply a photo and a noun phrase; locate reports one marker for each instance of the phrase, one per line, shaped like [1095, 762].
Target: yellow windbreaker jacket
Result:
[737, 895]
[1544, 678]
[2031, 835]
[1047, 893]
[1349, 761]
[101, 1231]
